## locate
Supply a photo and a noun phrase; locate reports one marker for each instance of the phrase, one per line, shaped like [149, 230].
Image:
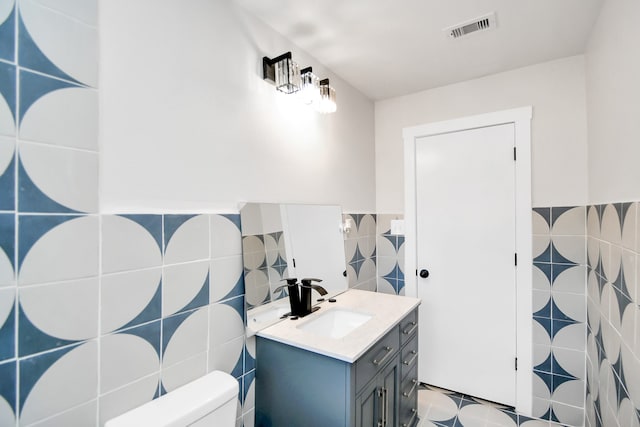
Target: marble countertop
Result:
[386, 311]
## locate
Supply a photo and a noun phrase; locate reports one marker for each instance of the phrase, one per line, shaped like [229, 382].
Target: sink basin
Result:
[335, 323]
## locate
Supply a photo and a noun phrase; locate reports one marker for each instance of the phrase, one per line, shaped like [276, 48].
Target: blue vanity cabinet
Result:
[301, 388]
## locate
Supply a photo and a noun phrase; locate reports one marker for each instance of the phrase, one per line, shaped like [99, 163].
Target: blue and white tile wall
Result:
[390, 256]
[360, 251]
[613, 313]
[265, 266]
[166, 308]
[98, 313]
[559, 313]
[172, 305]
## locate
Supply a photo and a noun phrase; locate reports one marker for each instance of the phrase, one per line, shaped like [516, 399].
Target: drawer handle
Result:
[413, 388]
[415, 412]
[410, 362]
[387, 351]
[410, 330]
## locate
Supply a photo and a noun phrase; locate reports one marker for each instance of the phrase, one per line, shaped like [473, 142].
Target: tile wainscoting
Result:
[110, 311]
[613, 316]
[360, 251]
[587, 314]
[559, 313]
[390, 255]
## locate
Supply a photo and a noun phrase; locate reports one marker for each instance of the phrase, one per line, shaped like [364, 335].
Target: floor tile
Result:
[440, 407]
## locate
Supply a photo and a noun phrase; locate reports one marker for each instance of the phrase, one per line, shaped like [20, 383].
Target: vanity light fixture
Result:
[285, 74]
[327, 103]
[310, 87]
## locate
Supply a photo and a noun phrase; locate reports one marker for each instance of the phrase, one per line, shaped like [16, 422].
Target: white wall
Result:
[556, 90]
[613, 103]
[188, 124]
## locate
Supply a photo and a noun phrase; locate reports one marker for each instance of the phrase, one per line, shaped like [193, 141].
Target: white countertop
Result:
[386, 311]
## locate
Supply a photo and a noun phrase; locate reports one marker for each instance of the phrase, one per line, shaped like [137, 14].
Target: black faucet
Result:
[305, 294]
[300, 295]
[294, 294]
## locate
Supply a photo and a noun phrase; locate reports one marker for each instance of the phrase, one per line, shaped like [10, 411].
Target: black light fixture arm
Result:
[268, 69]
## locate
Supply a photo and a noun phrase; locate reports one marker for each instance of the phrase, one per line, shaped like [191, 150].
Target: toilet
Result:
[207, 401]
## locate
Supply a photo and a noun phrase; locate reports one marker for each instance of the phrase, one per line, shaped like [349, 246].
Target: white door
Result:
[465, 224]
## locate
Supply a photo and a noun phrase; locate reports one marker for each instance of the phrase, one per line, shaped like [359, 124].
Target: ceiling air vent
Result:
[483, 23]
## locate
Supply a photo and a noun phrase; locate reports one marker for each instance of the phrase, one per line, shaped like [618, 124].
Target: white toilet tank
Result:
[207, 401]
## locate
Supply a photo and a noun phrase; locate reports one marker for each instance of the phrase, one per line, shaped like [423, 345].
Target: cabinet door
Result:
[377, 405]
[389, 381]
[368, 411]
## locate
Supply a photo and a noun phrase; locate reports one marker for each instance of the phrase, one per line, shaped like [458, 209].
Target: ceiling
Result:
[387, 48]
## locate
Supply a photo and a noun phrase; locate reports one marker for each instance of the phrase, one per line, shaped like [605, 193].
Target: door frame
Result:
[521, 118]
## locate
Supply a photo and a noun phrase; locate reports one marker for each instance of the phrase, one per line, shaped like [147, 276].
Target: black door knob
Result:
[424, 273]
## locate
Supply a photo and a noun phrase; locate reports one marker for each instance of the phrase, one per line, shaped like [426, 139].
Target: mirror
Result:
[288, 240]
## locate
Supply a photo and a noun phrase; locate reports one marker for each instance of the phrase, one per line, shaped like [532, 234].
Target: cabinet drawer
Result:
[409, 399]
[408, 416]
[377, 357]
[409, 357]
[409, 386]
[409, 326]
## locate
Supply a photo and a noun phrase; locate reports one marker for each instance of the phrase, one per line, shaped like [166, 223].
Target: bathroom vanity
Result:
[352, 363]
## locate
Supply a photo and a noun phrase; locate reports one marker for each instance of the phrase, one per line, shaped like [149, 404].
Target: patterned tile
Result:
[57, 248]
[131, 242]
[541, 221]
[389, 256]
[184, 335]
[7, 324]
[55, 44]
[439, 407]
[8, 388]
[185, 287]
[128, 397]
[225, 235]
[130, 355]
[568, 221]
[57, 180]
[228, 341]
[7, 174]
[44, 381]
[183, 372]
[7, 30]
[186, 238]
[612, 368]
[560, 278]
[8, 95]
[65, 116]
[130, 298]
[7, 249]
[57, 314]
[227, 279]
[361, 251]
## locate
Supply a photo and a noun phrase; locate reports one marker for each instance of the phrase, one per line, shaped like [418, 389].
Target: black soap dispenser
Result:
[305, 297]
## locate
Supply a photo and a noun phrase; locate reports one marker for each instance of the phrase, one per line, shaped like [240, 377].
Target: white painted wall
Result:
[613, 103]
[555, 89]
[188, 124]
